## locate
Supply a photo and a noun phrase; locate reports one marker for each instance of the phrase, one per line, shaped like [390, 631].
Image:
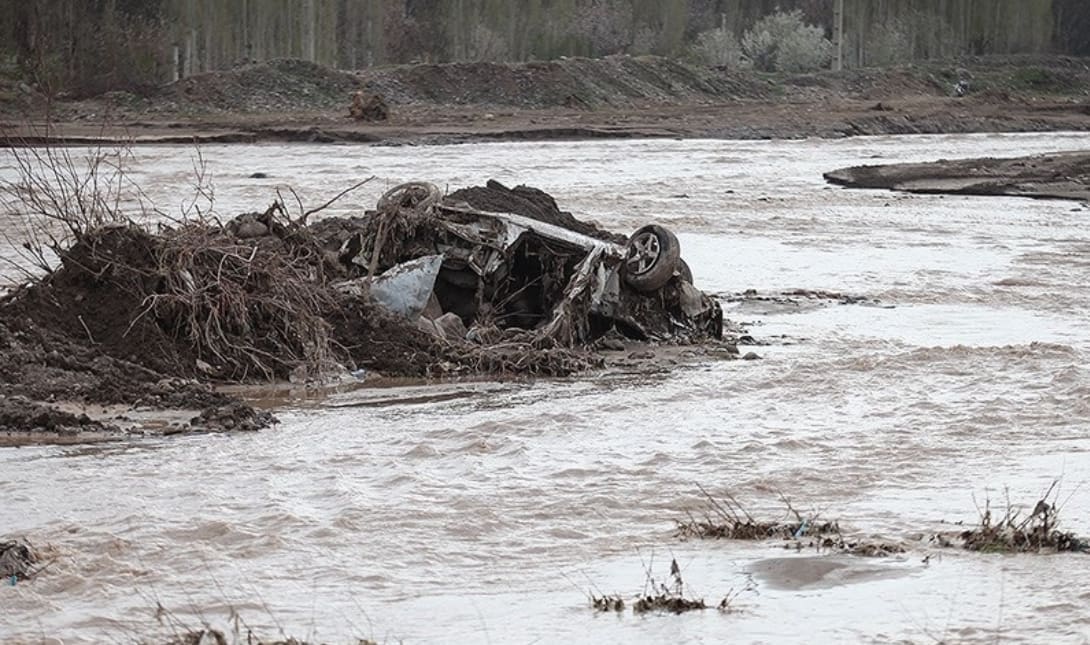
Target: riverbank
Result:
[573, 99]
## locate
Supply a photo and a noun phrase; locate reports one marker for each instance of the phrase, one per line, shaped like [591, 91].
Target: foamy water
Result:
[483, 512]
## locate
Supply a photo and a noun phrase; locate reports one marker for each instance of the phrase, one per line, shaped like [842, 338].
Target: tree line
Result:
[88, 46]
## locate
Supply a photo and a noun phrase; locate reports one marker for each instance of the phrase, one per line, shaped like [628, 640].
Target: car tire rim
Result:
[643, 253]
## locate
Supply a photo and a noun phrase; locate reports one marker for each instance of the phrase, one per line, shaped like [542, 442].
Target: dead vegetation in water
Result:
[607, 603]
[216, 637]
[667, 597]
[236, 632]
[861, 548]
[727, 519]
[1015, 531]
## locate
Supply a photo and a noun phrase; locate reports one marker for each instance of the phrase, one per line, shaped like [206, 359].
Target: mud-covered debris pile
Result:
[422, 286]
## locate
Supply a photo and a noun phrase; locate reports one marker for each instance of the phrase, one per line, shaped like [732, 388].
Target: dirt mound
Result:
[869, 84]
[280, 85]
[529, 202]
[580, 83]
[21, 415]
[293, 85]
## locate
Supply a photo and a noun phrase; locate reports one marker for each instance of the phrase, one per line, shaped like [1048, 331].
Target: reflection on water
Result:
[482, 512]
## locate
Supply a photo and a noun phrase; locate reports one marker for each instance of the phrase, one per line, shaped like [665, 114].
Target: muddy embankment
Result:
[133, 329]
[1051, 176]
[616, 97]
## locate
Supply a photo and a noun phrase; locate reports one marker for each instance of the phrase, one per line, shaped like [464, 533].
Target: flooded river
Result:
[485, 512]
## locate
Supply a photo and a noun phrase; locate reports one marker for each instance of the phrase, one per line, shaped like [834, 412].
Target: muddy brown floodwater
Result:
[482, 512]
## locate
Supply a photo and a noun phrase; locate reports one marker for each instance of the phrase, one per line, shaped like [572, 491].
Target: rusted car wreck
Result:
[493, 258]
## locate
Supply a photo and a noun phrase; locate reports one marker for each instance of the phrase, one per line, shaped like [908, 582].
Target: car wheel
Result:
[415, 196]
[653, 255]
[684, 271]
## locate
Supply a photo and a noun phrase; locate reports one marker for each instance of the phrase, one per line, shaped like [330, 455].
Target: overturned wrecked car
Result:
[494, 258]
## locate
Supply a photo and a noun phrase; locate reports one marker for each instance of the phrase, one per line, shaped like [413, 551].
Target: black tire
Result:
[684, 271]
[414, 196]
[653, 255]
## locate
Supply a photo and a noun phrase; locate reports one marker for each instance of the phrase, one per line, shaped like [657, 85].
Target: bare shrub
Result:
[889, 44]
[55, 196]
[718, 48]
[783, 42]
[644, 41]
[606, 25]
[486, 45]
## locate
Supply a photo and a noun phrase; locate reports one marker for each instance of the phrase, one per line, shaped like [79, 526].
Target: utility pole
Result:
[838, 33]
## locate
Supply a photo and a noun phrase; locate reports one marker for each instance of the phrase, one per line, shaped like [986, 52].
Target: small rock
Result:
[259, 175]
[642, 356]
[751, 357]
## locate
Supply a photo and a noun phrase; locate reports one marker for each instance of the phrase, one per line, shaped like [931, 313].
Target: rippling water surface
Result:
[483, 512]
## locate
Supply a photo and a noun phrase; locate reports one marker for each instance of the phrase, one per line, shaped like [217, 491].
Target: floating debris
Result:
[666, 598]
[728, 519]
[1013, 533]
[17, 560]
[607, 603]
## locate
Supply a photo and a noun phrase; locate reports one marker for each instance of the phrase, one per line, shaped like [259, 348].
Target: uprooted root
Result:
[248, 310]
[1012, 533]
[728, 519]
